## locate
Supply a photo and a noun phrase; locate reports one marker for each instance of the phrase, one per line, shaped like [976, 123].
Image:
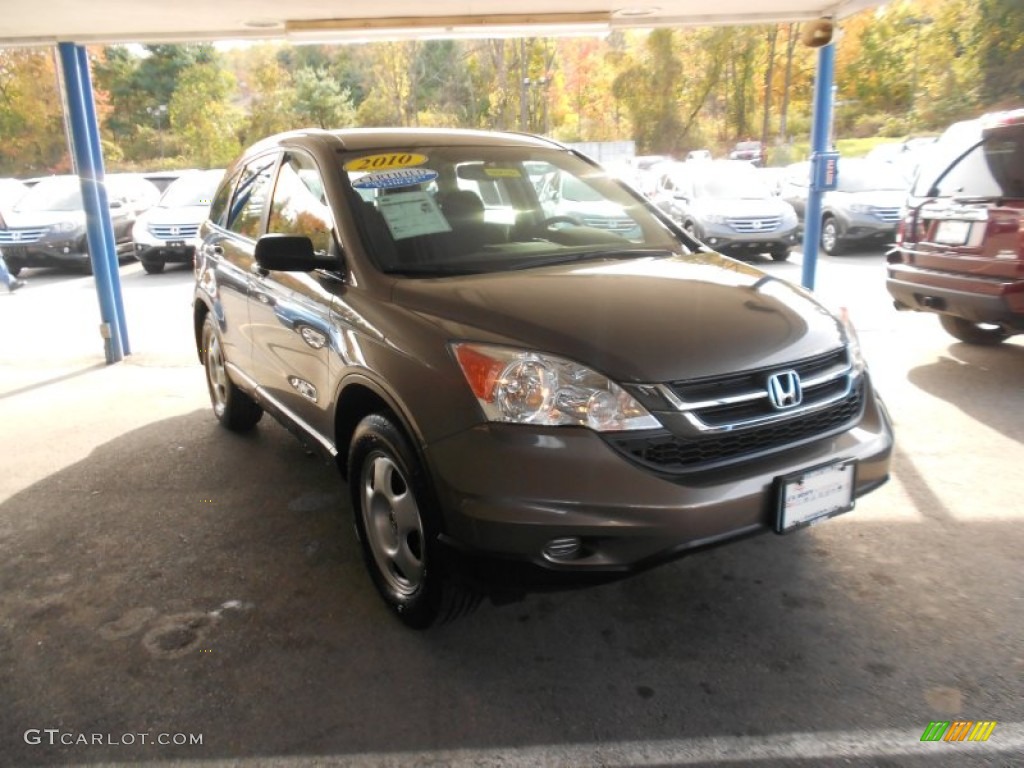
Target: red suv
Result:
[960, 248]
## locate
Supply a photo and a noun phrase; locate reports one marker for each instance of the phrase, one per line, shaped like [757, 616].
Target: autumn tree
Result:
[31, 120]
[203, 117]
[649, 87]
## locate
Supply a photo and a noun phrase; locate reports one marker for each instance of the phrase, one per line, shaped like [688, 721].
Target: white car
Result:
[166, 232]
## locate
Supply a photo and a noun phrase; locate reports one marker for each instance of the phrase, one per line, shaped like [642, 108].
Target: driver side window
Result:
[299, 205]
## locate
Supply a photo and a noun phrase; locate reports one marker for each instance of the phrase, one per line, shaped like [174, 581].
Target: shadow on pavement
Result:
[181, 579]
[983, 382]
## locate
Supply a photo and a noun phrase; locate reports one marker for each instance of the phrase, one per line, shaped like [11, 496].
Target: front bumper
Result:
[723, 238]
[178, 253]
[864, 228]
[508, 491]
[48, 252]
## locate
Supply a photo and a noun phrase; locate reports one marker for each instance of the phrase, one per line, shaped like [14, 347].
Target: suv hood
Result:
[880, 198]
[643, 320]
[741, 207]
[18, 220]
[190, 214]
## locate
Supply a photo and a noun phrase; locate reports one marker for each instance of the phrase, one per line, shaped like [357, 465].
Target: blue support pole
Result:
[108, 228]
[95, 211]
[820, 133]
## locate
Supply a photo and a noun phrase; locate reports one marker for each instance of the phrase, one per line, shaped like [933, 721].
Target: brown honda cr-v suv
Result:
[510, 392]
[960, 249]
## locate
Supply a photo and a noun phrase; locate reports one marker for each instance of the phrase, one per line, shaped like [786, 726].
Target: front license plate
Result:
[952, 232]
[814, 495]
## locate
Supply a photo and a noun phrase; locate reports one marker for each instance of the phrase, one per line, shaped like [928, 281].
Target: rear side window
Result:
[250, 200]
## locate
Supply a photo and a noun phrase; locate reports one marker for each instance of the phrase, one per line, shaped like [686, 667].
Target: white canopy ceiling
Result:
[26, 22]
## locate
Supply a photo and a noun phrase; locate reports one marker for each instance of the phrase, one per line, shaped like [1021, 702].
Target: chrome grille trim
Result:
[752, 225]
[164, 231]
[22, 236]
[829, 371]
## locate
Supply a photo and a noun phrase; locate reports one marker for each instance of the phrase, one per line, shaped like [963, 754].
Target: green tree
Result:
[321, 101]
[649, 88]
[272, 106]
[1000, 32]
[140, 88]
[203, 117]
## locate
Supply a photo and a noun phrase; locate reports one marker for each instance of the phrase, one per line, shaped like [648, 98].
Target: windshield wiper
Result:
[570, 258]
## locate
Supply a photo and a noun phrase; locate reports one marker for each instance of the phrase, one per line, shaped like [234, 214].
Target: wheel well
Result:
[355, 403]
[198, 318]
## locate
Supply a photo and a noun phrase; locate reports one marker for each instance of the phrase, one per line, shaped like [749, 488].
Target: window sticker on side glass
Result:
[405, 177]
[387, 161]
[409, 214]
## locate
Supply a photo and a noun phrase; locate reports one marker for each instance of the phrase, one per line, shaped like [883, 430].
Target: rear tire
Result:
[397, 520]
[234, 409]
[973, 333]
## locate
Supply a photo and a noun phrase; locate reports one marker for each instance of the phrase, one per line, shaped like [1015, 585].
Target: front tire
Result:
[780, 254]
[153, 267]
[973, 333]
[830, 236]
[14, 268]
[397, 521]
[234, 409]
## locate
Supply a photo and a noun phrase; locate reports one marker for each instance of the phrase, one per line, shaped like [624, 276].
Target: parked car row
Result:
[44, 224]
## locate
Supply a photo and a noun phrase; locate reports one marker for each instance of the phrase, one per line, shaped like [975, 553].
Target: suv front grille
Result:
[669, 453]
[174, 231]
[755, 224]
[621, 224]
[888, 215]
[21, 236]
[825, 377]
[732, 417]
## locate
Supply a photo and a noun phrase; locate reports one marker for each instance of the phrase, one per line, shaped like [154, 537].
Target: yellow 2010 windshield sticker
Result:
[386, 161]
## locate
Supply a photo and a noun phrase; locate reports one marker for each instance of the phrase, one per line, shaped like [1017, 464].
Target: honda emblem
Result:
[784, 390]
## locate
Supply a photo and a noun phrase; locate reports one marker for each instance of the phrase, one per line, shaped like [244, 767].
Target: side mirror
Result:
[116, 205]
[290, 253]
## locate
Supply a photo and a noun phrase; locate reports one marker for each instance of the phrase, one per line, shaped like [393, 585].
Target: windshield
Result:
[53, 194]
[993, 166]
[191, 190]
[477, 209]
[866, 176]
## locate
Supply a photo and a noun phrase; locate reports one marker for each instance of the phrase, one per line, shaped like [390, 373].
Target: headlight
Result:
[715, 218]
[64, 227]
[521, 387]
[860, 208]
[852, 340]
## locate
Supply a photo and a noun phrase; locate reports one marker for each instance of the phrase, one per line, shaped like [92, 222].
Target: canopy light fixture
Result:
[449, 27]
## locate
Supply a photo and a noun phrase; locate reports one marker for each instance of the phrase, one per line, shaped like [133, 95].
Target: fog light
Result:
[566, 548]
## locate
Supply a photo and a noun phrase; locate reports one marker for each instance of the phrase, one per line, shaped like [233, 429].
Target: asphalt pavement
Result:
[173, 594]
